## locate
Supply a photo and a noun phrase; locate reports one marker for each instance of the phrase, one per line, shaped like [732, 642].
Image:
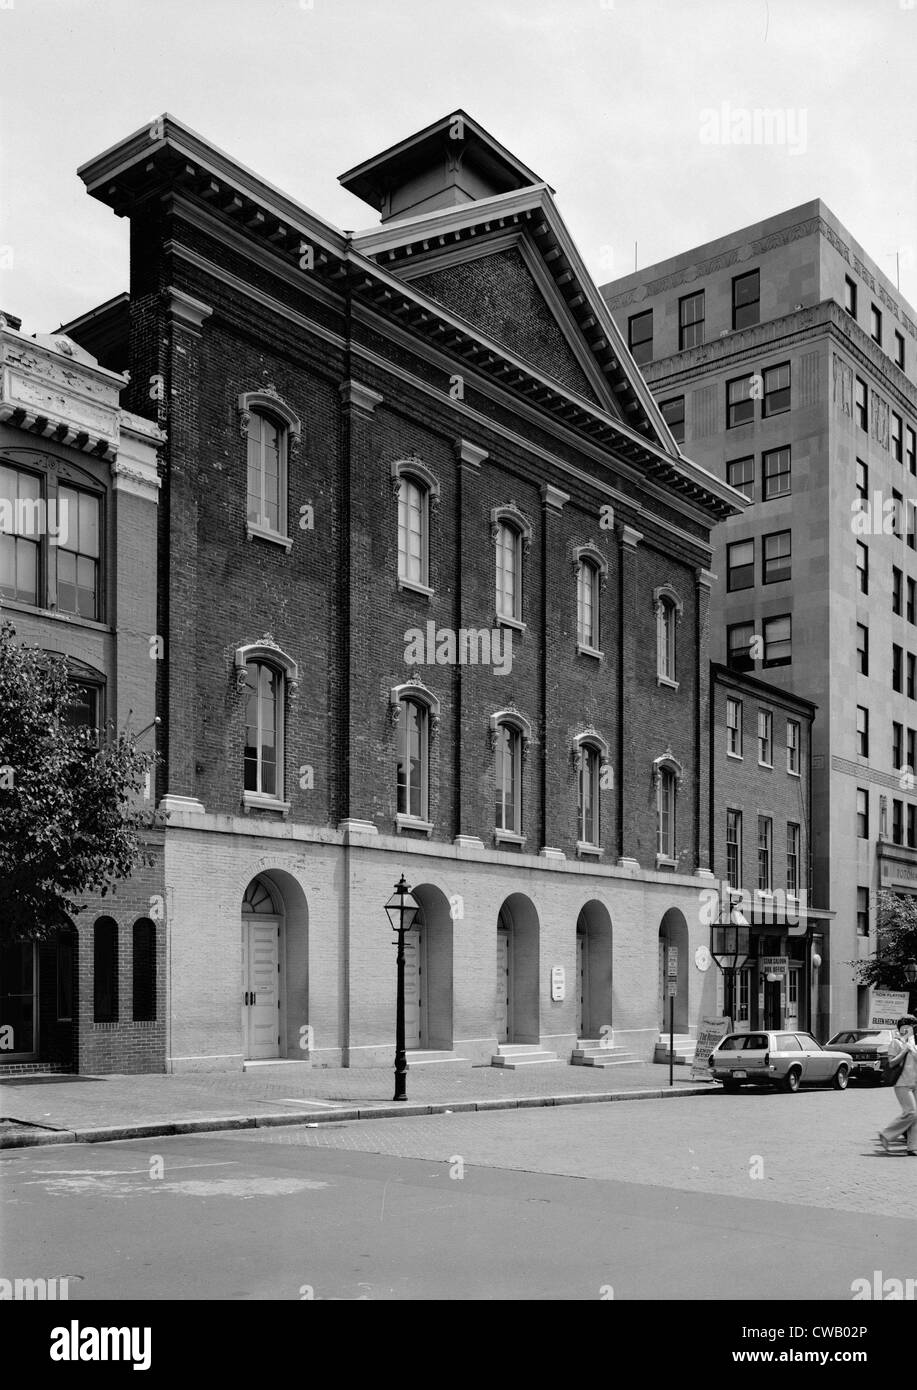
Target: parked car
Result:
[867, 1049]
[777, 1058]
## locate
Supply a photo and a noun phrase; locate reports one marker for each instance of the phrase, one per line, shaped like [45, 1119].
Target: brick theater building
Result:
[83, 586]
[433, 590]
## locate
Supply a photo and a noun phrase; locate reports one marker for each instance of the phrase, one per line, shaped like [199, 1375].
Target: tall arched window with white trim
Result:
[668, 611]
[588, 818]
[509, 571]
[263, 758]
[267, 473]
[413, 759]
[413, 530]
[666, 787]
[508, 779]
[587, 604]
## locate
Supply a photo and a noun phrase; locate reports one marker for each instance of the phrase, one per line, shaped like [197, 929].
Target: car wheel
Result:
[840, 1078]
[792, 1079]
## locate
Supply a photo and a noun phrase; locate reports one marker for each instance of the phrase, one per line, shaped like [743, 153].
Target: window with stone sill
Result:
[668, 608]
[272, 432]
[51, 528]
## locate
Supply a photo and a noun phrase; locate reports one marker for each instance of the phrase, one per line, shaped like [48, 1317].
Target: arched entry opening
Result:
[275, 961]
[428, 973]
[518, 1018]
[594, 955]
[673, 931]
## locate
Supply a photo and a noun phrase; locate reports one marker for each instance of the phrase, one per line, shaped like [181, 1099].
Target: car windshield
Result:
[852, 1035]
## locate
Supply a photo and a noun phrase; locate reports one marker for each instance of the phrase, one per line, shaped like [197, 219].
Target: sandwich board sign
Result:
[886, 1006]
[708, 1035]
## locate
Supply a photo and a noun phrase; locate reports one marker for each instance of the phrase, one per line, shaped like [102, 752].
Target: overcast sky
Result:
[609, 101]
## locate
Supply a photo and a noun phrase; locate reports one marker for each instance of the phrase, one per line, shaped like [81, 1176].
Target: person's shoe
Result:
[885, 1144]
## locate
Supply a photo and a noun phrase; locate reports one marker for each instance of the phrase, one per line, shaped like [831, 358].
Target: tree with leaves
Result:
[896, 942]
[71, 822]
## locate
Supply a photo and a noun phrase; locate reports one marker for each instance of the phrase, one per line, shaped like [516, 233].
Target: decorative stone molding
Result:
[350, 827]
[67, 397]
[468, 842]
[590, 551]
[663, 593]
[592, 738]
[553, 498]
[266, 650]
[362, 397]
[185, 805]
[705, 579]
[669, 761]
[411, 466]
[189, 312]
[512, 516]
[267, 401]
[630, 538]
[414, 689]
[469, 454]
[512, 716]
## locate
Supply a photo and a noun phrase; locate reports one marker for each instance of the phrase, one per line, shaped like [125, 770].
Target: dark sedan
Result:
[867, 1049]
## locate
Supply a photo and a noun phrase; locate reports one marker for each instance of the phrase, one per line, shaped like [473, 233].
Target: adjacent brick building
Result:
[79, 490]
[433, 590]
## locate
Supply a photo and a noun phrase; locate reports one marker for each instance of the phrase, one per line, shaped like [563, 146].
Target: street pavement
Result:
[754, 1196]
[81, 1103]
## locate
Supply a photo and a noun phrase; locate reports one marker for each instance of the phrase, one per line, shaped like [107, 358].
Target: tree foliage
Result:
[896, 942]
[70, 817]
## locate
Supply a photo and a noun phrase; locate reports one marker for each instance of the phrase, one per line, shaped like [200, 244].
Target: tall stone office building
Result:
[783, 360]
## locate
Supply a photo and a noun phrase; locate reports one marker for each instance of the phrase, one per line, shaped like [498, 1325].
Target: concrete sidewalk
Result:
[86, 1109]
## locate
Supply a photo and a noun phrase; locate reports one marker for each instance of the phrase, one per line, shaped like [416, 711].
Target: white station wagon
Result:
[777, 1058]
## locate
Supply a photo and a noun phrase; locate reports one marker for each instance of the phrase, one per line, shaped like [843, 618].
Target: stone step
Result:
[595, 1060]
[422, 1057]
[512, 1057]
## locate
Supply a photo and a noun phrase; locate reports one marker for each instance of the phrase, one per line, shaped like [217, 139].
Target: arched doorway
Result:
[262, 974]
[673, 931]
[517, 1015]
[593, 988]
[428, 973]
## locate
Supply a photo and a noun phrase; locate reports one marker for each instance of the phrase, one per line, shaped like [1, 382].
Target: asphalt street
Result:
[750, 1196]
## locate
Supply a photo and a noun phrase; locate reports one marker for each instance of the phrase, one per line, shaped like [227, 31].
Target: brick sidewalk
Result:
[80, 1103]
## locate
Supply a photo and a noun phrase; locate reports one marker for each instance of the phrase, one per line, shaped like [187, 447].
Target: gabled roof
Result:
[530, 217]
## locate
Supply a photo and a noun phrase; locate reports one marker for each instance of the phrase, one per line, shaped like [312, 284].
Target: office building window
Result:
[862, 731]
[765, 738]
[860, 404]
[733, 727]
[734, 848]
[765, 856]
[793, 730]
[588, 583]
[899, 349]
[850, 296]
[862, 481]
[910, 610]
[740, 638]
[897, 744]
[911, 674]
[778, 645]
[776, 466]
[897, 667]
[508, 570]
[412, 763]
[911, 437]
[508, 780]
[691, 320]
[897, 437]
[640, 336]
[588, 795]
[665, 814]
[776, 389]
[413, 530]
[740, 474]
[897, 514]
[740, 565]
[912, 525]
[863, 649]
[897, 577]
[777, 558]
[740, 404]
[792, 858]
[862, 912]
[912, 749]
[862, 814]
[912, 827]
[746, 299]
[898, 822]
[862, 567]
[673, 412]
[875, 324]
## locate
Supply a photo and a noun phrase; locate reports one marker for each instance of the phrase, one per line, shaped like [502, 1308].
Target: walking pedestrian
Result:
[905, 1087]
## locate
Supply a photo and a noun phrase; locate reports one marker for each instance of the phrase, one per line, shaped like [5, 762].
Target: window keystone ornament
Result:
[667, 761]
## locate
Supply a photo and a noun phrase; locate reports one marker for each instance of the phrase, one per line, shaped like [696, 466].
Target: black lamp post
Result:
[401, 910]
[910, 974]
[730, 947]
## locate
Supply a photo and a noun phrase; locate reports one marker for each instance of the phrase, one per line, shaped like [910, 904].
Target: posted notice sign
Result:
[708, 1035]
[886, 1006]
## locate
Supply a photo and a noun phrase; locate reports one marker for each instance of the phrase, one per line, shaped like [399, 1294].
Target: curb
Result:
[215, 1124]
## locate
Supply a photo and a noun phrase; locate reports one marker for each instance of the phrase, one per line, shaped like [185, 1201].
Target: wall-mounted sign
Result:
[774, 965]
[702, 958]
[886, 1006]
[671, 968]
[558, 983]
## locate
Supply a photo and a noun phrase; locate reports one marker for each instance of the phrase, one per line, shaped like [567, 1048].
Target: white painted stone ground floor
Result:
[278, 947]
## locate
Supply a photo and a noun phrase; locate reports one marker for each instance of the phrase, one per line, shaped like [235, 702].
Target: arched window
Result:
[413, 760]
[667, 775]
[512, 535]
[144, 970]
[269, 426]
[668, 611]
[588, 819]
[413, 532]
[508, 779]
[587, 604]
[105, 970]
[263, 760]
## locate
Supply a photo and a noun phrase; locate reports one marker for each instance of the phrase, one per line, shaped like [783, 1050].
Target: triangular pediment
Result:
[508, 269]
